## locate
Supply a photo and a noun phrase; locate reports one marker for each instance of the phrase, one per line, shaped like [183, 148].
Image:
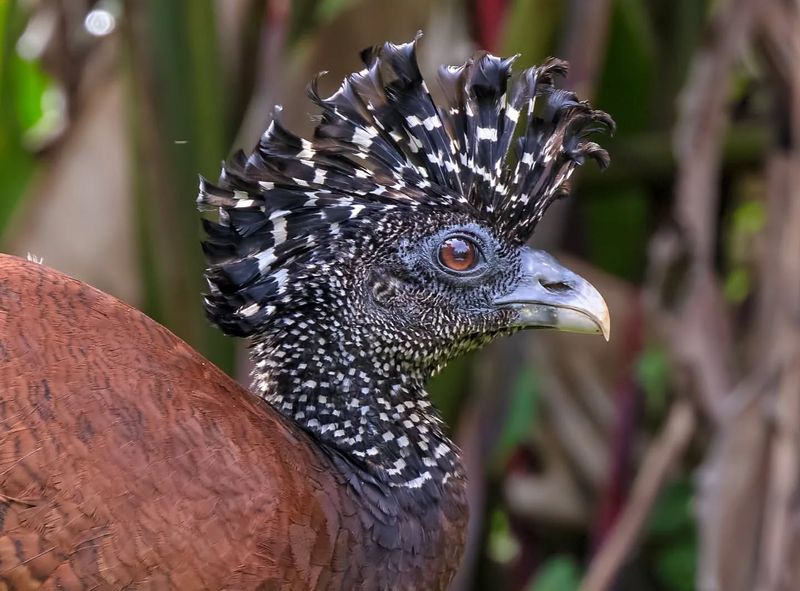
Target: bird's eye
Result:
[458, 254]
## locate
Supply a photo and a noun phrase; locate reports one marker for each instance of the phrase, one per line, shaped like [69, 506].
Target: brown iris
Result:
[458, 254]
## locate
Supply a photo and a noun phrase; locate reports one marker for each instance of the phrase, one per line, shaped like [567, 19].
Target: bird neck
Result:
[359, 404]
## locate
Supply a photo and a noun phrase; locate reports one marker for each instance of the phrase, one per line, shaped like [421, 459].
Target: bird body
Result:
[358, 263]
[130, 462]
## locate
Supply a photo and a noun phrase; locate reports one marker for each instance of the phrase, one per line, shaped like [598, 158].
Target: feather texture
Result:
[382, 143]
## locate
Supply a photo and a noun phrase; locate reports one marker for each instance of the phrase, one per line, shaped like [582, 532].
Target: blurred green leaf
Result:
[531, 30]
[652, 373]
[617, 230]
[679, 25]
[745, 224]
[306, 16]
[628, 74]
[616, 227]
[676, 566]
[177, 134]
[21, 89]
[672, 512]
[503, 547]
[559, 573]
[30, 84]
[522, 411]
[671, 537]
[328, 10]
[737, 285]
[449, 388]
[749, 217]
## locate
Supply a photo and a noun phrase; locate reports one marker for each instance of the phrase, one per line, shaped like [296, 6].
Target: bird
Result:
[357, 263]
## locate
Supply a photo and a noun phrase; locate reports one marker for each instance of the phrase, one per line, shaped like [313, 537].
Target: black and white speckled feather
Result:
[381, 144]
[320, 248]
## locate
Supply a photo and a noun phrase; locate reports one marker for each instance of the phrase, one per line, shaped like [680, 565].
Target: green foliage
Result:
[627, 81]
[22, 89]
[30, 84]
[737, 285]
[177, 53]
[652, 374]
[616, 218]
[503, 547]
[745, 225]
[672, 537]
[449, 388]
[560, 573]
[749, 218]
[616, 229]
[327, 10]
[521, 417]
[676, 566]
[672, 514]
[531, 30]
[308, 15]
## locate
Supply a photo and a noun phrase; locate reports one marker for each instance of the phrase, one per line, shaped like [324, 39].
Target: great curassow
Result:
[358, 262]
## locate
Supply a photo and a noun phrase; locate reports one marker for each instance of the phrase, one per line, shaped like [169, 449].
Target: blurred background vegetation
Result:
[666, 460]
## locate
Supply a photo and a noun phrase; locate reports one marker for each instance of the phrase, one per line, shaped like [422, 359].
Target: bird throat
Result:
[375, 414]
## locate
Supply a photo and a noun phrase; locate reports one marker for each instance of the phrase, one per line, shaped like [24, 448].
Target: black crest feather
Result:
[382, 143]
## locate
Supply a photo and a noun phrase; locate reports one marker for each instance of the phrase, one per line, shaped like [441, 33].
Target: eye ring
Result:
[459, 254]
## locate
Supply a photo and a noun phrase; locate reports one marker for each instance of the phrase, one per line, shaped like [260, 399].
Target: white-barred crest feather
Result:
[382, 143]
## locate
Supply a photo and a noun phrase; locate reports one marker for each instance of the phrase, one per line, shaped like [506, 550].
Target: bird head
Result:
[401, 226]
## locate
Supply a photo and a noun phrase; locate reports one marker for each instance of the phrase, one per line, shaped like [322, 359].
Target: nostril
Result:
[555, 286]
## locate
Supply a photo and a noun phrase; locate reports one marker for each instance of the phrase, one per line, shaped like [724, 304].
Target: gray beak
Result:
[551, 296]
